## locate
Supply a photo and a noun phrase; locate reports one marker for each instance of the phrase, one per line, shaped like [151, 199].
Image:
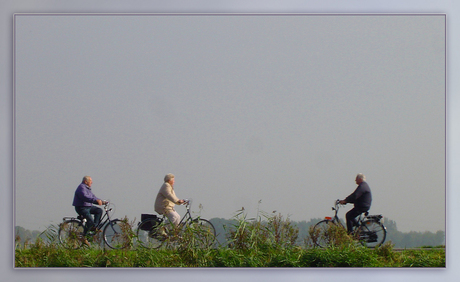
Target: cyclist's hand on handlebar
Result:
[342, 202]
[181, 202]
[101, 202]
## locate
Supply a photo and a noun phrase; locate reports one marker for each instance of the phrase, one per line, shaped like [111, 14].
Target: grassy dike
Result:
[270, 241]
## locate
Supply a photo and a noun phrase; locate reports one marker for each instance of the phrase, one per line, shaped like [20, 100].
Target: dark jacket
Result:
[361, 197]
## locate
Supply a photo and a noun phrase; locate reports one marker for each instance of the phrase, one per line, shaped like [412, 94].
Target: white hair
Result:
[168, 177]
[361, 176]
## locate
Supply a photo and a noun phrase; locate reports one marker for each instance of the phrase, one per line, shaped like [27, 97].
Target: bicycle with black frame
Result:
[154, 231]
[369, 230]
[116, 233]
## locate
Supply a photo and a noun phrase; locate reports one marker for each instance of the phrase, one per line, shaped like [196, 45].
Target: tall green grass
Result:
[54, 256]
[265, 232]
[269, 240]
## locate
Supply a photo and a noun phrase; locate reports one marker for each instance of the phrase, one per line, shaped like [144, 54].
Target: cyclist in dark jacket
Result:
[361, 198]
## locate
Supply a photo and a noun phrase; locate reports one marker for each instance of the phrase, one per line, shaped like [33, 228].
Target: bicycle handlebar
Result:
[107, 206]
[337, 205]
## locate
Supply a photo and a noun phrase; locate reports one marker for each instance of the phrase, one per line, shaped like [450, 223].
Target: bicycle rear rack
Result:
[376, 217]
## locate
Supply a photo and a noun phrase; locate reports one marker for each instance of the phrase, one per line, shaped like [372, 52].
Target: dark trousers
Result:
[86, 212]
[351, 217]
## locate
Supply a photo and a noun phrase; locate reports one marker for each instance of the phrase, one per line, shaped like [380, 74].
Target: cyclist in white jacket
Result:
[167, 199]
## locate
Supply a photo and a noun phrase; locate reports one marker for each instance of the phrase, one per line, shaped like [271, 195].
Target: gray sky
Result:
[278, 108]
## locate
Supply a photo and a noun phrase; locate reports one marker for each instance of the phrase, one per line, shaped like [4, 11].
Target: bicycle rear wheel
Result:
[71, 234]
[372, 233]
[117, 234]
[148, 234]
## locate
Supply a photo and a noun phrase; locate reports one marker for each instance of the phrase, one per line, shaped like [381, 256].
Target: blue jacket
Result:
[84, 197]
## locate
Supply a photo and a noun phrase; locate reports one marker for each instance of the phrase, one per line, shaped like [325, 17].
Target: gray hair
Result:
[361, 176]
[85, 178]
[168, 177]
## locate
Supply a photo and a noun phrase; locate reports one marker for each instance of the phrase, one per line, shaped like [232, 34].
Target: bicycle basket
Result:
[150, 224]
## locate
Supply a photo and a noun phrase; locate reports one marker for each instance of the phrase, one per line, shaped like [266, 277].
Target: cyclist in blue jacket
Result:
[361, 198]
[83, 202]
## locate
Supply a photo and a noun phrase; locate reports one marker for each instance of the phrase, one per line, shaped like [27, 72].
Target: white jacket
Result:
[166, 199]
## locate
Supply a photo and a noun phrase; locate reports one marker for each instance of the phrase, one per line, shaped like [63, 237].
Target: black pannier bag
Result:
[151, 223]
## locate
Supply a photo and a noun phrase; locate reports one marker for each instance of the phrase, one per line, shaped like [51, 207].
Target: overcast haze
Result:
[278, 108]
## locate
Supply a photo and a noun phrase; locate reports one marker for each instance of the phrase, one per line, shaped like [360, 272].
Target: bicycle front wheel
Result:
[322, 233]
[117, 234]
[149, 235]
[71, 234]
[202, 233]
[372, 233]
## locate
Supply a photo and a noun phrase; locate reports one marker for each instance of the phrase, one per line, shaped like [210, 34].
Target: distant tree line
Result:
[413, 239]
[400, 239]
[25, 236]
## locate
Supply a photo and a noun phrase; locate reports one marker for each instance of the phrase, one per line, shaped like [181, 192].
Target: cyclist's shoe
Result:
[85, 241]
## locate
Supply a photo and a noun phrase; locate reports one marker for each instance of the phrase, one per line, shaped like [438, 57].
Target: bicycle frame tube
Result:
[187, 216]
[106, 218]
[103, 221]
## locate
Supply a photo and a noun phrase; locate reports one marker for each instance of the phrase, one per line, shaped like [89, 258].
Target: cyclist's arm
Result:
[170, 195]
[353, 196]
[87, 196]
